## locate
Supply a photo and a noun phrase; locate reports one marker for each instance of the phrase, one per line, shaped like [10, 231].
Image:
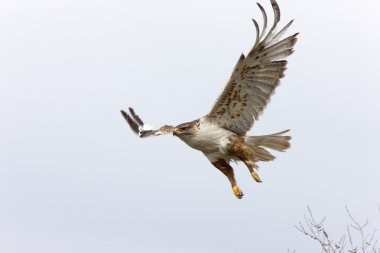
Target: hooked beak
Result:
[178, 132]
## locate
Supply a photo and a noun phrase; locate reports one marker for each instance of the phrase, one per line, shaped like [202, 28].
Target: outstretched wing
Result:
[254, 78]
[137, 125]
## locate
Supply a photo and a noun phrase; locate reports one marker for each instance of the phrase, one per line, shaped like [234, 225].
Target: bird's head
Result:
[184, 130]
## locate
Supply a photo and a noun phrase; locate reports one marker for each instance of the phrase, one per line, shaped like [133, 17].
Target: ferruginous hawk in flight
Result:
[221, 134]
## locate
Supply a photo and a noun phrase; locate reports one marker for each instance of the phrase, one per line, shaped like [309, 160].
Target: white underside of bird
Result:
[210, 139]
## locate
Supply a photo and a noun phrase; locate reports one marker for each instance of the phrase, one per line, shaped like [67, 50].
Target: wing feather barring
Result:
[221, 135]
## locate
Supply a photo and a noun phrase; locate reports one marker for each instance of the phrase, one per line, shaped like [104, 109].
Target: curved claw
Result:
[237, 192]
[256, 176]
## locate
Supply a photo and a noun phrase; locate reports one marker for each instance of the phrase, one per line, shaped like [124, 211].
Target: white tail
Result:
[274, 141]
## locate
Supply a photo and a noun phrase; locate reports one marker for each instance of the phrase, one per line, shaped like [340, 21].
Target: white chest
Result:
[210, 138]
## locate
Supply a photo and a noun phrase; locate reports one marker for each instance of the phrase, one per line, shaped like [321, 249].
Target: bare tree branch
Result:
[316, 231]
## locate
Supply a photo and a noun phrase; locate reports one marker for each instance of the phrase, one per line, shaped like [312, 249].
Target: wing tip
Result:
[131, 122]
[123, 113]
[276, 9]
[256, 25]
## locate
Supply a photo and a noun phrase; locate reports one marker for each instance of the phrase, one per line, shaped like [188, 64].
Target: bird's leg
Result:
[228, 171]
[238, 148]
[252, 167]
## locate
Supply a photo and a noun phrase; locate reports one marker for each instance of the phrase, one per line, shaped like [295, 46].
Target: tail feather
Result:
[261, 154]
[276, 141]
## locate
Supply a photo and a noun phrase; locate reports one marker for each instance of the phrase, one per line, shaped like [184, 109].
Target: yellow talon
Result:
[256, 177]
[238, 193]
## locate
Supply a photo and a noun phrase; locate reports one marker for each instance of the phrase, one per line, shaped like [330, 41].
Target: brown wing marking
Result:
[255, 77]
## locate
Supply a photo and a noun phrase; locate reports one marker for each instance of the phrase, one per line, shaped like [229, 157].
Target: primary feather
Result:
[254, 78]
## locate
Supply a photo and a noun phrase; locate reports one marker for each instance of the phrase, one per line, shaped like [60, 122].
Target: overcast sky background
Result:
[74, 178]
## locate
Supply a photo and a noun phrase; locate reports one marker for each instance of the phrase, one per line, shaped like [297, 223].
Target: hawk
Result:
[221, 134]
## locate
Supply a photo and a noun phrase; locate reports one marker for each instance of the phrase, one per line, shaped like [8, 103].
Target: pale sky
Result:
[74, 178]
